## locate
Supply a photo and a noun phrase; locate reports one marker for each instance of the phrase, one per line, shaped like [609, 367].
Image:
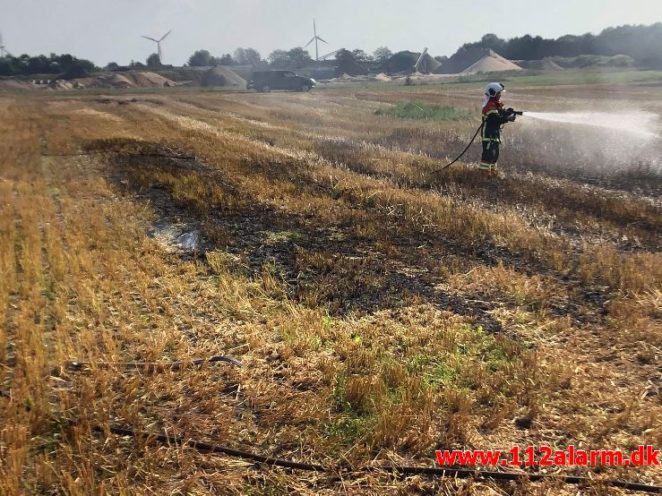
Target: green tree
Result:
[401, 62]
[382, 54]
[226, 59]
[200, 58]
[493, 41]
[343, 55]
[7, 67]
[299, 57]
[295, 58]
[360, 56]
[154, 60]
[247, 56]
[279, 59]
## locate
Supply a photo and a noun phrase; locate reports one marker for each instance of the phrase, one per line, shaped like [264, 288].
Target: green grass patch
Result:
[347, 430]
[275, 237]
[423, 111]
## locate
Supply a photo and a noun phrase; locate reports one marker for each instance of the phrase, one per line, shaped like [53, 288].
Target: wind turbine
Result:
[315, 38]
[158, 43]
[3, 52]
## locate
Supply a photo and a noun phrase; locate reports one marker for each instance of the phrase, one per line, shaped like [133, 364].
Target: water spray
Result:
[636, 123]
[634, 126]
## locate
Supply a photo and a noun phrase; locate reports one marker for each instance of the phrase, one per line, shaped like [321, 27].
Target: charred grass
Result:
[381, 311]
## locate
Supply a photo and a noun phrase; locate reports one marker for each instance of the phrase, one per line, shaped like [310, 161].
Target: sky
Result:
[109, 30]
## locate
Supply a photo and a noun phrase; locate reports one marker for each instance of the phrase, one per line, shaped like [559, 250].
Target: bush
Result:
[414, 110]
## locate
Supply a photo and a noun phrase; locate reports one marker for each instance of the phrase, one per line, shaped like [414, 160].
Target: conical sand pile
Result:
[493, 62]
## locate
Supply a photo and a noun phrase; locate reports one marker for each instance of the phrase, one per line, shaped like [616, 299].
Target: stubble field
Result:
[380, 309]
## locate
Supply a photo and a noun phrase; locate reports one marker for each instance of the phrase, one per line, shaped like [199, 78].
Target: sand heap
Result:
[149, 80]
[492, 62]
[222, 76]
[114, 80]
[15, 84]
[129, 79]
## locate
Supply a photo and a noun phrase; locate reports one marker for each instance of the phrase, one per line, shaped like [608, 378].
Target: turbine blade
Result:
[313, 39]
[324, 57]
[322, 40]
[152, 39]
[165, 35]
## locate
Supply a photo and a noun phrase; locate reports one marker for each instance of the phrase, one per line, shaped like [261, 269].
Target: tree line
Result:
[65, 65]
[640, 42]
[294, 58]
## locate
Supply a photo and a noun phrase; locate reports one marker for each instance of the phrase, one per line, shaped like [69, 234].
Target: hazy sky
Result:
[109, 30]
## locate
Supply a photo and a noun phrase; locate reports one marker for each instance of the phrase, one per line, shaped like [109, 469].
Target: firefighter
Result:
[494, 117]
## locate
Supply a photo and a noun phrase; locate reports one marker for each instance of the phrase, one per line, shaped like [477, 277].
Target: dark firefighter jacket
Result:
[494, 116]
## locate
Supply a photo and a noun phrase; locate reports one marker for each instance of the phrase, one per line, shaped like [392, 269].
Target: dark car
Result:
[280, 80]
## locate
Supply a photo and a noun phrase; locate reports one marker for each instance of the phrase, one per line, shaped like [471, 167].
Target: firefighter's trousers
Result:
[488, 160]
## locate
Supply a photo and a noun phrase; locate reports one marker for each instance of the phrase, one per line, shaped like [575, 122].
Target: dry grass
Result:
[381, 310]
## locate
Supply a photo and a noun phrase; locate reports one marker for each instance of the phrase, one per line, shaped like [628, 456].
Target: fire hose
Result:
[512, 113]
[268, 460]
[202, 447]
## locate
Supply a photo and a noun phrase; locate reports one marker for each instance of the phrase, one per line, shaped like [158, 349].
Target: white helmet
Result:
[493, 88]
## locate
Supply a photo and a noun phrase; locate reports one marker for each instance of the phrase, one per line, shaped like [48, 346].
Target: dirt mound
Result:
[61, 84]
[115, 80]
[222, 76]
[149, 80]
[15, 84]
[493, 62]
[130, 79]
